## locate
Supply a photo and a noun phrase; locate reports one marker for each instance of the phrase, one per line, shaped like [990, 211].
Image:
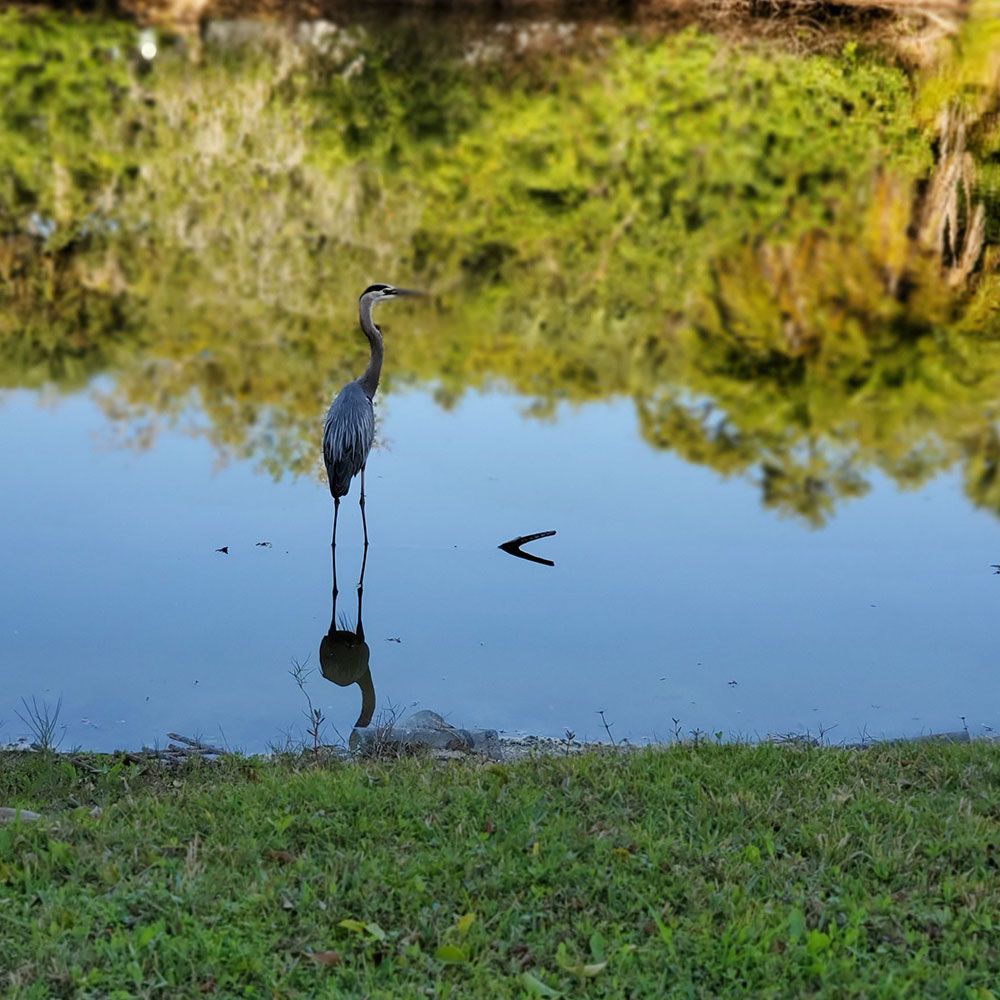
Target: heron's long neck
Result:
[369, 381]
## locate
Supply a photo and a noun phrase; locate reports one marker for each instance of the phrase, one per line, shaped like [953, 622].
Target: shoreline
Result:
[507, 748]
[915, 28]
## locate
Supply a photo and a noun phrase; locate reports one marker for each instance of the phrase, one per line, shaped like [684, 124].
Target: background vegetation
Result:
[776, 256]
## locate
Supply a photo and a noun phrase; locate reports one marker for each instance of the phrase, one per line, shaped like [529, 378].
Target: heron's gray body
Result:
[348, 435]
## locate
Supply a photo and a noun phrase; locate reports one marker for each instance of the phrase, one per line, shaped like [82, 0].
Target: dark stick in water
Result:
[514, 547]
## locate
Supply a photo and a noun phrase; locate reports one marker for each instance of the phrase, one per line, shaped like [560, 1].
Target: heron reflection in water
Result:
[344, 656]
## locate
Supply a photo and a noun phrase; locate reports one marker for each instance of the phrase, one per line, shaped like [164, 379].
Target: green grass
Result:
[691, 871]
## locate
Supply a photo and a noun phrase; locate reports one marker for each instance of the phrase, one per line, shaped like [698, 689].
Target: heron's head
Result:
[374, 294]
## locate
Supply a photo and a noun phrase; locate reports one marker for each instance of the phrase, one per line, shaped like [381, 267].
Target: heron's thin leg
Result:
[333, 550]
[364, 522]
[333, 618]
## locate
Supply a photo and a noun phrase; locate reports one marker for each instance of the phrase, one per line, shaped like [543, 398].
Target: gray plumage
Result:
[349, 429]
[348, 435]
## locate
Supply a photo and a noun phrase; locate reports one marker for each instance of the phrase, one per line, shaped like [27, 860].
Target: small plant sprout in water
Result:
[385, 744]
[43, 722]
[607, 727]
[314, 715]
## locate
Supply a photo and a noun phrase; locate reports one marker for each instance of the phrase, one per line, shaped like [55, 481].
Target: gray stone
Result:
[8, 815]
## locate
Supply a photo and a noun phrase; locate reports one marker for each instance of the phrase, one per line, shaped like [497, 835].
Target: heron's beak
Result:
[407, 291]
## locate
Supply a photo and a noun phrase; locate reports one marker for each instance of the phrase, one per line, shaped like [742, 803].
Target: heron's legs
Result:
[364, 522]
[333, 549]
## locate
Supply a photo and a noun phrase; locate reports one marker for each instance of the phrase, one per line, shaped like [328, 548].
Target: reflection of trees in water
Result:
[747, 246]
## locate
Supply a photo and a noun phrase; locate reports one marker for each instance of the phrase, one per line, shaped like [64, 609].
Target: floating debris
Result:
[513, 547]
[193, 745]
[224, 550]
[181, 749]
[263, 545]
[393, 638]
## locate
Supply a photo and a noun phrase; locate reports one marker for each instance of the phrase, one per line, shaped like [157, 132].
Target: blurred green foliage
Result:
[57, 77]
[722, 233]
[970, 78]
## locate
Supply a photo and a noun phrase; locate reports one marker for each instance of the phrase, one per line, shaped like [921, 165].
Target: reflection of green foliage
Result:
[57, 80]
[971, 73]
[970, 78]
[53, 325]
[721, 234]
[390, 101]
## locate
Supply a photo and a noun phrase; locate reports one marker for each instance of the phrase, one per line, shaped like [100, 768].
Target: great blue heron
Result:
[350, 422]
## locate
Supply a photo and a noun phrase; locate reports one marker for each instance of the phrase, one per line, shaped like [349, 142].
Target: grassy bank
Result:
[708, 871]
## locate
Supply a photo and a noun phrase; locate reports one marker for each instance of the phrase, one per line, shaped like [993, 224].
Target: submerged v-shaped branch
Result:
[514, 547]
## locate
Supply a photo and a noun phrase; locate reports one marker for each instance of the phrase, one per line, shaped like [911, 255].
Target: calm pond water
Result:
[746, 368]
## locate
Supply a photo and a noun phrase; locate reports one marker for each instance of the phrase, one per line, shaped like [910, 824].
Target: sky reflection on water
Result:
[675, 595]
